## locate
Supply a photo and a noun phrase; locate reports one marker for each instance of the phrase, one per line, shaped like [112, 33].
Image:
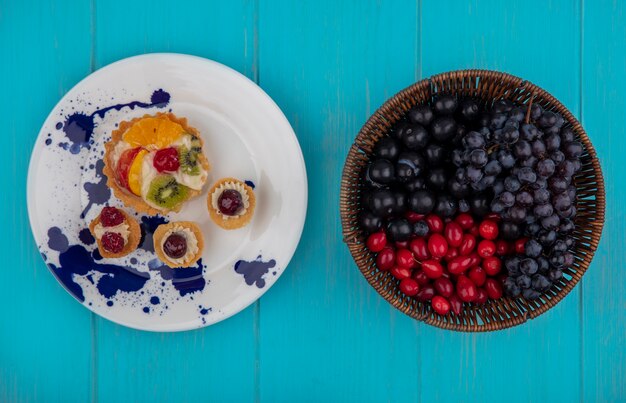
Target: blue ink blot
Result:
[185, 280]
[85, 236]
[254, 271]
[146, 309]
[149, 225]
[133, 260]
[99, 192]
[48, 142]
[155, 300]
[250, 183]
[90, 278]
[45, 258]
[109, 303]
[96, 255]
[79, 127]
[57, 240]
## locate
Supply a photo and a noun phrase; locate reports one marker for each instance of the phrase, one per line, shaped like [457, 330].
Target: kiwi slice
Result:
[165, 192]
[189, 159]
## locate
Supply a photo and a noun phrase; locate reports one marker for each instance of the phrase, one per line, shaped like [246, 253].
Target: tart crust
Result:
[134, 236]
[130, 200]
[233, 222]
[159, 234]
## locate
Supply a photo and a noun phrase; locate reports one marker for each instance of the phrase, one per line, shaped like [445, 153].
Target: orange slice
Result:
[154, 132]
[134, 173]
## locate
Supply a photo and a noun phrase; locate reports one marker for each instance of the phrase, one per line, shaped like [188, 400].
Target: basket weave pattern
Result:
[488, 86]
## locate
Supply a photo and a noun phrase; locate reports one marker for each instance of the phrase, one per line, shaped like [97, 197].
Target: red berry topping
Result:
[432, 268]
[456, 304]
[426, 293]
[468, 244]
[454, 234]
[493, 288]
[520, 246]
[488, 229]
[112, 242]
[110, 217]
[419, 248]
[166, 160]
[440, 305]
[465, 221]
[376, 242]
[385, 259]
[421, 277]
[404, 258]
[409, 286]
[229, 202]
[492, 265]
[437, 245]
[444, 287]
[465, 289]
[435, 223]
[478, 275]
[175, 246]
[486, 248]
[481, 296]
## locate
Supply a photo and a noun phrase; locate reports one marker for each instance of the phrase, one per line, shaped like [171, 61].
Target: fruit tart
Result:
[178, 244]
[116, 233]
[154, 164]
[231, 203]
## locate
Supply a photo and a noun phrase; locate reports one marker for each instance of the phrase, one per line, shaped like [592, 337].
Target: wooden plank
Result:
[604, 86]
[324, 331]
[45, 336]
[540, 360]
[217, 362]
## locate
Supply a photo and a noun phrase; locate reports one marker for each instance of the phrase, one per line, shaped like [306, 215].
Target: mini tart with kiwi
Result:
[178, 244]
[231, 203]
[116, 233]
[155, 163]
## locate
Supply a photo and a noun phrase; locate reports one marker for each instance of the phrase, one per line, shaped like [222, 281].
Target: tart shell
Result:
[232, 222]
[134, 236]
[159, 234]
[130, 200]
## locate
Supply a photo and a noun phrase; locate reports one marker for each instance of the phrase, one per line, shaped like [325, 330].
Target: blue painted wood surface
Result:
[321, 333]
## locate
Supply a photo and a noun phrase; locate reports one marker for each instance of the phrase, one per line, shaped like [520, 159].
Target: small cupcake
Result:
[178, 244]
[116, 232]
[231, 203]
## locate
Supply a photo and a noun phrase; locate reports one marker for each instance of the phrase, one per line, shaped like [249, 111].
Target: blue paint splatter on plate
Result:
[254, 271]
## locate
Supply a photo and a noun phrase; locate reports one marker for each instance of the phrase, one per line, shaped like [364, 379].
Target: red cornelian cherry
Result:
[402, 245]
[486, 248]
[478, 275]
[465, 220]
[419, 247]
[481, 296]
[385, 259]
[421, 277]
[493, 288]
[460, 264]
[432, 268]
[454, 234]
[488, 229]
[467, 245]
[502, 247]
[404, 258]
[456, 304]
[434, 222]
[437, 245]
[492, 265]
[166, 160]
[520, 245]
[466, 289]
[451, 254]
[474, 230]
[400, 272]
[440, 305]
[444, 287]
[493, 217]
[376, 242]
[409, 286]
[426, 293]
[413, 216]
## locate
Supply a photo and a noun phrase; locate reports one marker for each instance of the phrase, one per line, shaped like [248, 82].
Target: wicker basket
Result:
[487, 85]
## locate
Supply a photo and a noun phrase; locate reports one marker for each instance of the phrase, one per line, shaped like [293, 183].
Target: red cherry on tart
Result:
[229, 202]
[116, 233]
[166, 160]
[175, 246]
[178, 243]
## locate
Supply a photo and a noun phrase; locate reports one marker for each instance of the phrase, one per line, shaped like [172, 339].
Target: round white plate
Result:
[245, 136]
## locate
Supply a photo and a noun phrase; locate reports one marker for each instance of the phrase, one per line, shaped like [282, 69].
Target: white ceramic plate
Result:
[245, 136]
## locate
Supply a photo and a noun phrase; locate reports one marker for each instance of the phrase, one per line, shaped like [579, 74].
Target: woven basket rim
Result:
[388, 111]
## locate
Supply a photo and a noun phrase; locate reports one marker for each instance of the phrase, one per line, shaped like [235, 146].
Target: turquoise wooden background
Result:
[321, 333]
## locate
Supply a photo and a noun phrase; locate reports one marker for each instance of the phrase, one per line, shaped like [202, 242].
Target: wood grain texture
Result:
[215, 363]
[604, 300]
[45, 336]
[324, 331]
[539, 41]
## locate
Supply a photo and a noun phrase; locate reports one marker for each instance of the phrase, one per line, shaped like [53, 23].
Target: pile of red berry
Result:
[457, 260]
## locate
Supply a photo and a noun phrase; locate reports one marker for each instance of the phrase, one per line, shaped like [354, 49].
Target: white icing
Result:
[245, 198]
[195, 182]
[122, 229]
[190, 237]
